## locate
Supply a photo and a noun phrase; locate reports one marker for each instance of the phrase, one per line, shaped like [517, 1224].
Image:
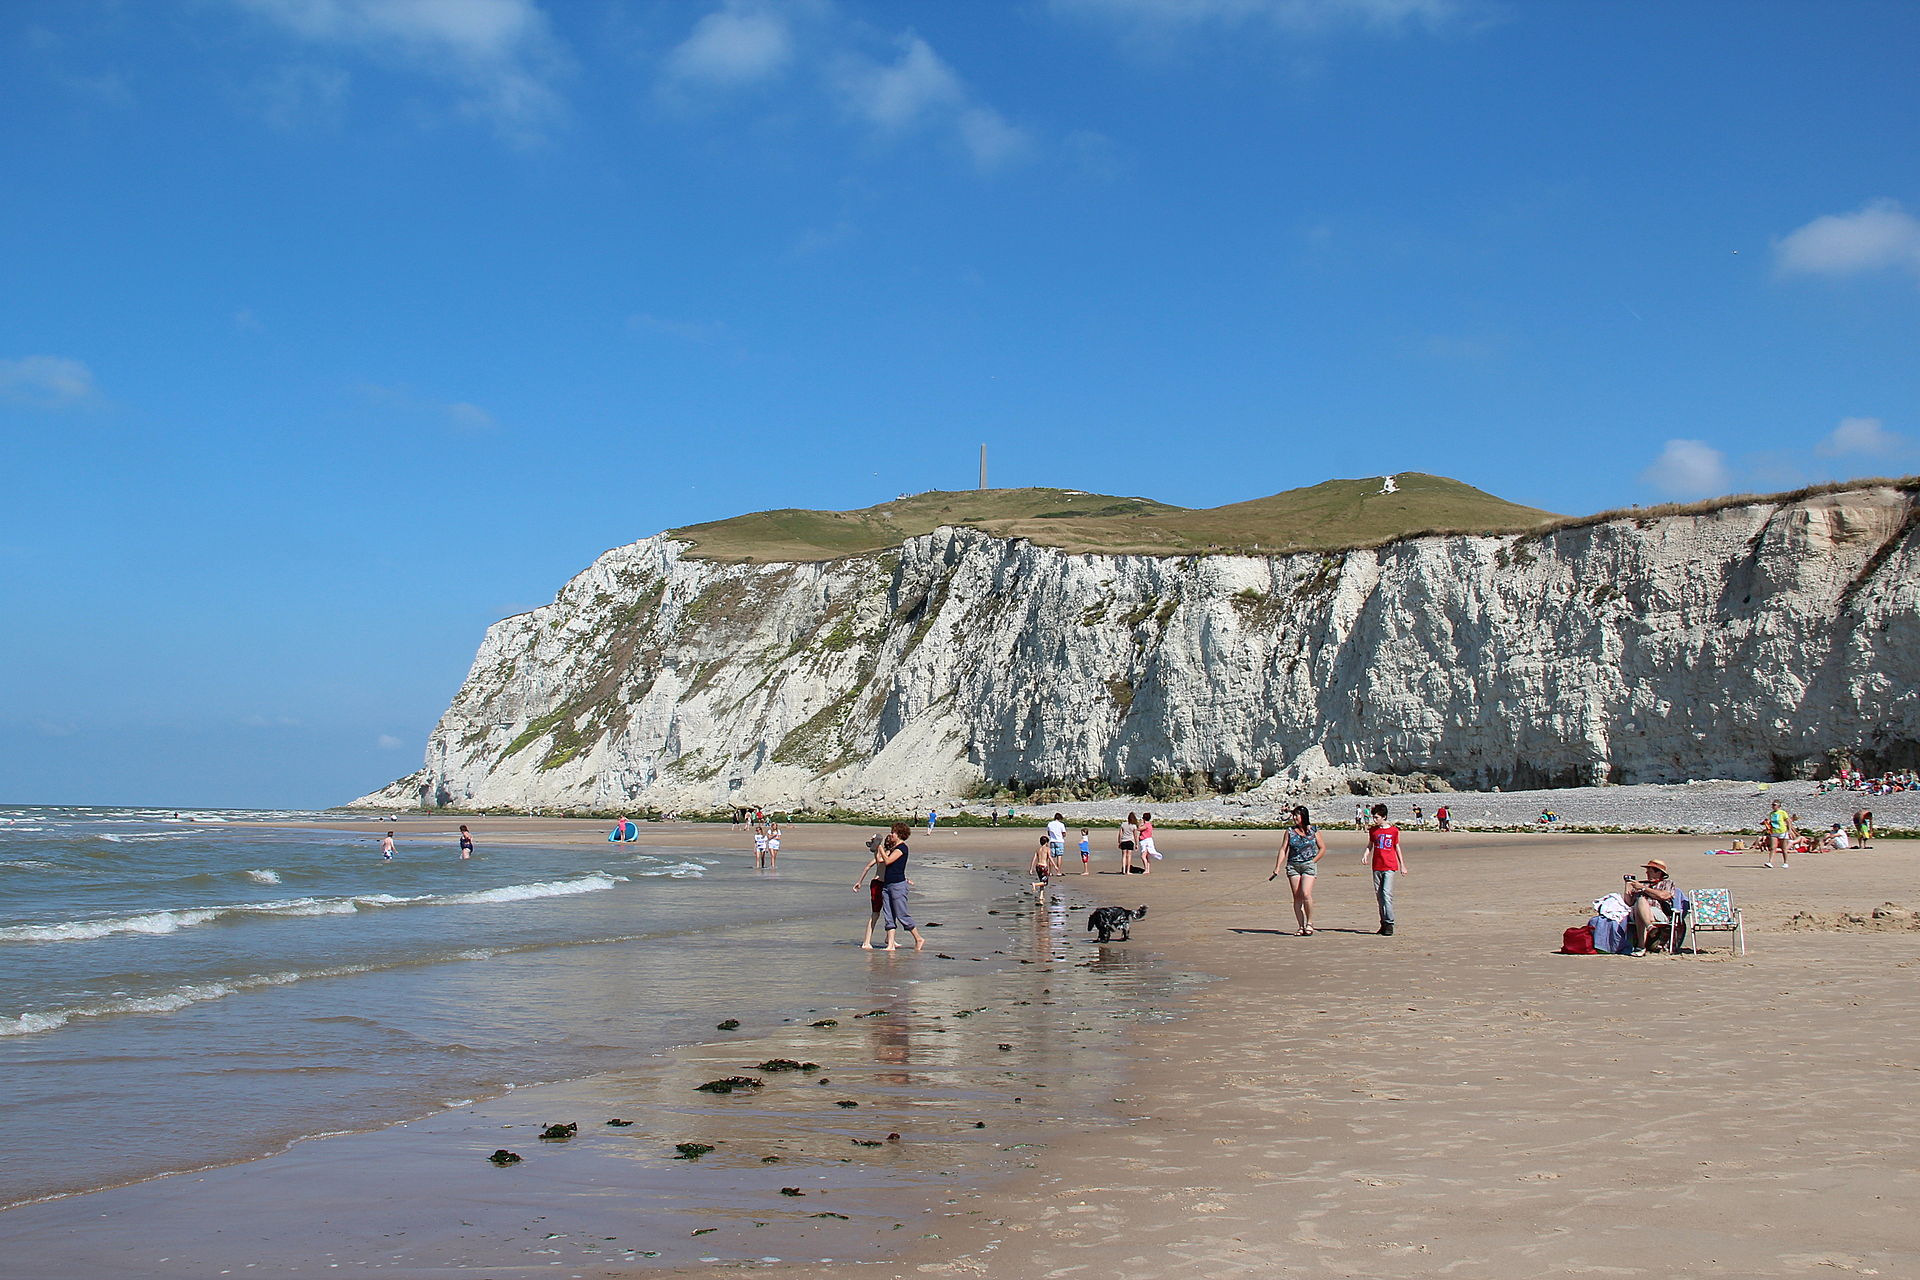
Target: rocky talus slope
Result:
[1747, 641]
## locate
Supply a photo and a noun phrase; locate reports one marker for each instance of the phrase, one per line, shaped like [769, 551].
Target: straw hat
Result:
[1655, 864]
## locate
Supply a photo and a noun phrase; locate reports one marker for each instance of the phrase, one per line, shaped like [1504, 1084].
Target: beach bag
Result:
[1578, 941]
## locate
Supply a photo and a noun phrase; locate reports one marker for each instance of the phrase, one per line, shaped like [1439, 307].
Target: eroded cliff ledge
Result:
[1745, 641]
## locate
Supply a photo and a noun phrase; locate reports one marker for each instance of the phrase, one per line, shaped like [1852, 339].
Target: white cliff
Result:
[1747, 641]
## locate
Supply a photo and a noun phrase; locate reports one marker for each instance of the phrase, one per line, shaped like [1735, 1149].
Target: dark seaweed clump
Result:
[558, 1132]
[504, 1157]
[731, 1024]
[825, 1022]
[791, 1191]
[788, 1064]
[691, 1150]
[728, 1085]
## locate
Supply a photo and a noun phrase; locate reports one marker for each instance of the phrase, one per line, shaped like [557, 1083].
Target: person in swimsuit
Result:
[891, 861]
[386, 847]
[1299, 858]
[1042, 864]
[466, 842]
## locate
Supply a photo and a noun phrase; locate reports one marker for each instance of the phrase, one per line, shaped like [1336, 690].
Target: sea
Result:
[186, 990]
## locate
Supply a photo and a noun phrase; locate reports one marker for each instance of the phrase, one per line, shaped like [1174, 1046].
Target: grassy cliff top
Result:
[1338, 513]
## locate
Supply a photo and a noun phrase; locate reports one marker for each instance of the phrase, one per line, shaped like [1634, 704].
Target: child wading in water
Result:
[1042, 864]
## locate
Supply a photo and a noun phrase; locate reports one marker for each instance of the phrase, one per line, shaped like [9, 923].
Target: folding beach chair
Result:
[1710, 911]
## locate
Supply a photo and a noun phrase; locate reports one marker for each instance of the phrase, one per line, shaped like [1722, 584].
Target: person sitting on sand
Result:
[1649, 900]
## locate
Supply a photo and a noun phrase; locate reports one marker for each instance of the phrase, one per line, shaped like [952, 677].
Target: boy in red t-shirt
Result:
[1384, 858]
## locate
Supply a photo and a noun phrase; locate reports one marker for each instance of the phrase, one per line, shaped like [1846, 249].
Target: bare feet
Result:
[919, 943]
[866, 946]
[891, 946]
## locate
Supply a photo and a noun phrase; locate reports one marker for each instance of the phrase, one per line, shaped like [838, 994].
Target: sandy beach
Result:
[1215, 1097]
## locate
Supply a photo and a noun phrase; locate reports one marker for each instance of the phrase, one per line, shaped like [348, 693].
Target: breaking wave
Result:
[162, 922]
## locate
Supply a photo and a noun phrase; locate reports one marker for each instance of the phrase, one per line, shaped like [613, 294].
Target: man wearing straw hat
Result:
[1649, 900]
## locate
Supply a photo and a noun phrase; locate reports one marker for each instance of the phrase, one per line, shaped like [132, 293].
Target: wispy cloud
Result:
[47, 382]
[1880, 236]
[301, 96]
[895, 86]
[500, 55]
[740, 43]
[1139, 16]
[458, 414]
[387, 742]
[1688, 469]
[686, 330]
[1862, 437]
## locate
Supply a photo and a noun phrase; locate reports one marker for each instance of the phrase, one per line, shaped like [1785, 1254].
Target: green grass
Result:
[1336, 514]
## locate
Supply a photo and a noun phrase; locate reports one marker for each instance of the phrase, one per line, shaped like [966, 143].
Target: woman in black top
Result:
[890, 859]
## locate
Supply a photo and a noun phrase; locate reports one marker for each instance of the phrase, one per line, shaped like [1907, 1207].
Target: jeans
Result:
[1383, 894]
[893, 906]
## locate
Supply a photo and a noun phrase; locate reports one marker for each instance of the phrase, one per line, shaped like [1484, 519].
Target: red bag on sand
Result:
[1578, 941]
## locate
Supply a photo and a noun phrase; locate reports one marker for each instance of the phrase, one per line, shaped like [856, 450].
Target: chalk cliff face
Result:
[1743, 642]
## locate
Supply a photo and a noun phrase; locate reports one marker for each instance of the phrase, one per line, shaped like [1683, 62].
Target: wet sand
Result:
[1455, 1099]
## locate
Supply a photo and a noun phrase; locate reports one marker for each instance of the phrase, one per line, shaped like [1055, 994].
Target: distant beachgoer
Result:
[466, 842]
[1299, 858]
[1444, 816]
[1042, 864]
[1359, 816]
[1149, 853]
[993, 819]
[891, 860]
[759, 846]
[1057, 839]
[933, 820]
[1863, 827]
[773, 845]
[386, 847]
[1384, 858]
[1419, 814]
[1129, 837]
[1779, 834]
[1086, 853]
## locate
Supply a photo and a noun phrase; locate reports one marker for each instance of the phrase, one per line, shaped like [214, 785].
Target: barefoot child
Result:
[1042, 864]
[1086, 853]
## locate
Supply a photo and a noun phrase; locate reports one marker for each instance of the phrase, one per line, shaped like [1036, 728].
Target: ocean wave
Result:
[678, 870]
[263, 876]
[180, 997]
[30, 864]
[163, 922]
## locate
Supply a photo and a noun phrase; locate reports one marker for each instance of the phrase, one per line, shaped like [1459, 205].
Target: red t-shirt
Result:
[1385, 842]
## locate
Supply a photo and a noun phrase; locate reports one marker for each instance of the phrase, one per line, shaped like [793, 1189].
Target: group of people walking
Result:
[1304, 846]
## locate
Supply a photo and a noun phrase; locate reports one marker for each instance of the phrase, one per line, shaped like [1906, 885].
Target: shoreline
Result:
[1729, 807]
[1345, 1104]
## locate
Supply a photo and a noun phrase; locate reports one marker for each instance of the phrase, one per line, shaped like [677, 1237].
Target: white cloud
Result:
[46, 382]
[471, 416]
[688, 330]
[294, 96]
[1879, 236]
[917, 90]
[1688, 469]
[896, 86]
[1867, 436]
[738, 44]
[1293, 15]
[501, 53]
[387, 742]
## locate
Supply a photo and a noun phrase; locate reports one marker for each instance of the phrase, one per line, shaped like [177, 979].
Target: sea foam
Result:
[163, 922]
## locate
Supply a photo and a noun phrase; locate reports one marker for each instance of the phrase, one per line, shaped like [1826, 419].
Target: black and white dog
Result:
[1110, 920]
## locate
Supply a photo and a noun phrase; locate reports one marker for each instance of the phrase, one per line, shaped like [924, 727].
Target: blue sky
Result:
[334, 330]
